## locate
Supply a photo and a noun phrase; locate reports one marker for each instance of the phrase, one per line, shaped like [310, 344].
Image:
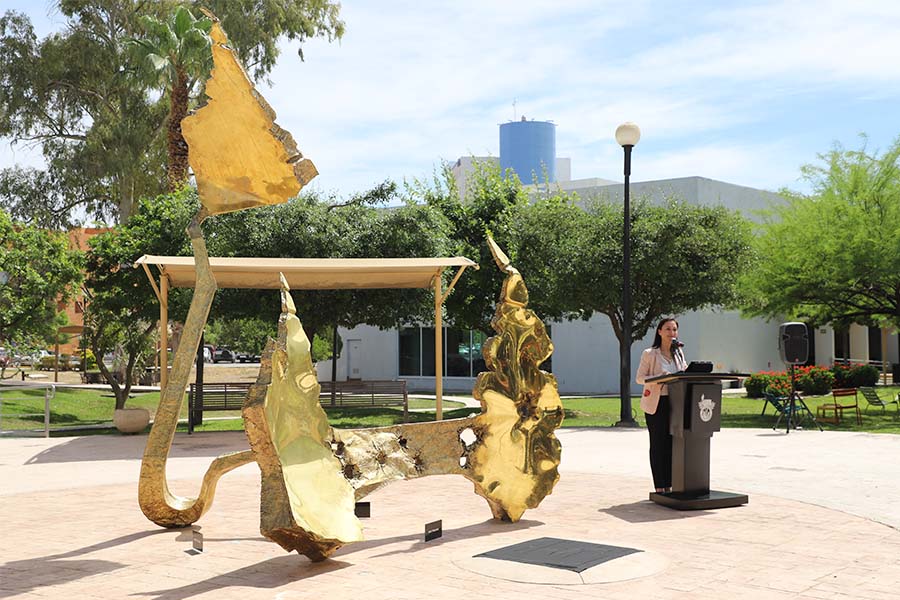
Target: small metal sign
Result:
[363, 510]
[197, 539]
[433, 530]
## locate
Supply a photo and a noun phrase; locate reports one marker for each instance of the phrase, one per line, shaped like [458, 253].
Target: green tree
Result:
[684, 257]
[490, 203]
[67, 94]
[311, 227]
[121, 312]
[255, 26]
[833, 255]
[247, 334]
[37, 272]
[174, 55]
[101, 131]
[548, 246]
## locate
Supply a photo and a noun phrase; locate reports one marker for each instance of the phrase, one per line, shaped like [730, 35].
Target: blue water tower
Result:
[529, 148]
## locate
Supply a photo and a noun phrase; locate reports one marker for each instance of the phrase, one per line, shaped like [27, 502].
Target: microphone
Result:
[676, 344]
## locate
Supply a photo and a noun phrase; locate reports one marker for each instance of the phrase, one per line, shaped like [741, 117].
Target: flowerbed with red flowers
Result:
[811, 380]
[854, 376]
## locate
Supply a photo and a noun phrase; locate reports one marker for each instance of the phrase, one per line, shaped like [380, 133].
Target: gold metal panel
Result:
[240, 157]
[306, 502]
[514, 464]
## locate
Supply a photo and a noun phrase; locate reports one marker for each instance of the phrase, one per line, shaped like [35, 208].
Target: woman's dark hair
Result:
[657, 339]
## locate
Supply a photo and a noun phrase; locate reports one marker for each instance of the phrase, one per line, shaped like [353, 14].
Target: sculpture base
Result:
[699, 500]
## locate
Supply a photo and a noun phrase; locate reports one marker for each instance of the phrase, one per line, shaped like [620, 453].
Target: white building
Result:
[586, 354]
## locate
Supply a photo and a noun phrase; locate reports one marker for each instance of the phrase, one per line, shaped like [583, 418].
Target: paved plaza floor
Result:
[822, 522]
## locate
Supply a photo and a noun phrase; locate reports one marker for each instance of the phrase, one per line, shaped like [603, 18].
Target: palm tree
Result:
[174, 54]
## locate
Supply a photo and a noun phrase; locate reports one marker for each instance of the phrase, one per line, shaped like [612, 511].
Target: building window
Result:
[875, 343]
[458, 353]
[842, 343]
[462, 352]
[410, 351]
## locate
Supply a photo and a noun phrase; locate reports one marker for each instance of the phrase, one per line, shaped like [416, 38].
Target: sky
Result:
[744, 92]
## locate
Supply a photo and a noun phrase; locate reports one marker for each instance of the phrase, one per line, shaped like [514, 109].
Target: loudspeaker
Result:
[793, 342]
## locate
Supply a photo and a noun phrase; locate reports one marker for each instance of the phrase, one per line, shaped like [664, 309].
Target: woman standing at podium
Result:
[662, 358]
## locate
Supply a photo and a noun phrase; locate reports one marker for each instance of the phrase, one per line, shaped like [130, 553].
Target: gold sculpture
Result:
[514, 465]
[307, 502]
[240, 157]
[311, 473]
[269, 156]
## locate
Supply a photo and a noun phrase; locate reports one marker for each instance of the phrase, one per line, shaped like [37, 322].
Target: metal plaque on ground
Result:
[560, 554]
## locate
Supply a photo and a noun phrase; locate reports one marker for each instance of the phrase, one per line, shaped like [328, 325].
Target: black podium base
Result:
[695, 501]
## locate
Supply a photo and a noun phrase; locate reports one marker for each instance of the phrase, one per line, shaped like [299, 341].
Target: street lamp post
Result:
[627, 135]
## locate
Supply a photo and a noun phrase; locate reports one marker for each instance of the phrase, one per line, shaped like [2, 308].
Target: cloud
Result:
[754, 165]
[711, 84]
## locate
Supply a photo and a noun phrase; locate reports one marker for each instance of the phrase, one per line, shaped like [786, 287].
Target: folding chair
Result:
[841, 402]
[782, 406]
[872, 398]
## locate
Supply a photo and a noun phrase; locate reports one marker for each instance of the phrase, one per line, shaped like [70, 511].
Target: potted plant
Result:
[131, 420]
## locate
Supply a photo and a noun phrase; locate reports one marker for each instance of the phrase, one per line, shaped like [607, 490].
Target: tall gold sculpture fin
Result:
[156, 502]
[514, 463]
[307, 504]
[240, 157]
[499, 255]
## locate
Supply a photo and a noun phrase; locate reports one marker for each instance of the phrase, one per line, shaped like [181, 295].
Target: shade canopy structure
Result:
[310, 274]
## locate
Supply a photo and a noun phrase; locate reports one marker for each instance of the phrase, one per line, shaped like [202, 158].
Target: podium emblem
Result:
[707, 405]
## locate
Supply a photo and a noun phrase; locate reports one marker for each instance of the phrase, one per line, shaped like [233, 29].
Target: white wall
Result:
[824, 341]
[563, 169]
[379, 354]
[859, 343]
[893, 354]
[730, 342]
[696, 190]
[586, 356]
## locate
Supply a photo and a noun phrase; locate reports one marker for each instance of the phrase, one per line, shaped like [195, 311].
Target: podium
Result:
[696, 410]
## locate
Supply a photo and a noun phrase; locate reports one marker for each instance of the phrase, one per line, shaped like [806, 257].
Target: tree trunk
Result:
[125, 203]
[177, 148]
[121, 396]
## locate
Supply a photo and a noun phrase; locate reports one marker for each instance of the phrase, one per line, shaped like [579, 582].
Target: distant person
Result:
[662, 358]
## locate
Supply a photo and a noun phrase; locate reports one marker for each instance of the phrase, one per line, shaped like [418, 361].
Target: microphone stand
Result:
[677, 351]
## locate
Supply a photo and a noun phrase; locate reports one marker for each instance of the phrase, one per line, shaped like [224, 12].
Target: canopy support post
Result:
[163, 331]
[438, 349]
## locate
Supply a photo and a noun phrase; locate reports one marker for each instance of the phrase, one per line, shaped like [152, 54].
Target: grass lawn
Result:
[79, 408]
[73, 408]
[738, 412]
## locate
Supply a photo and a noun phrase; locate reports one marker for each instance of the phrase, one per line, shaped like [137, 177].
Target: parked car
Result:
[247, 357]
[223, 355]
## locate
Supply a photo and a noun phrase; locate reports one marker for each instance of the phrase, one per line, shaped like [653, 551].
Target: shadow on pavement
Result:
[121, 447]
[645, 511]
[21, 576]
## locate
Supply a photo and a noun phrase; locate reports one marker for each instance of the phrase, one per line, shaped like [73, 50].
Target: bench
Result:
[230, 396]
[213, 397]
[359, 393]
